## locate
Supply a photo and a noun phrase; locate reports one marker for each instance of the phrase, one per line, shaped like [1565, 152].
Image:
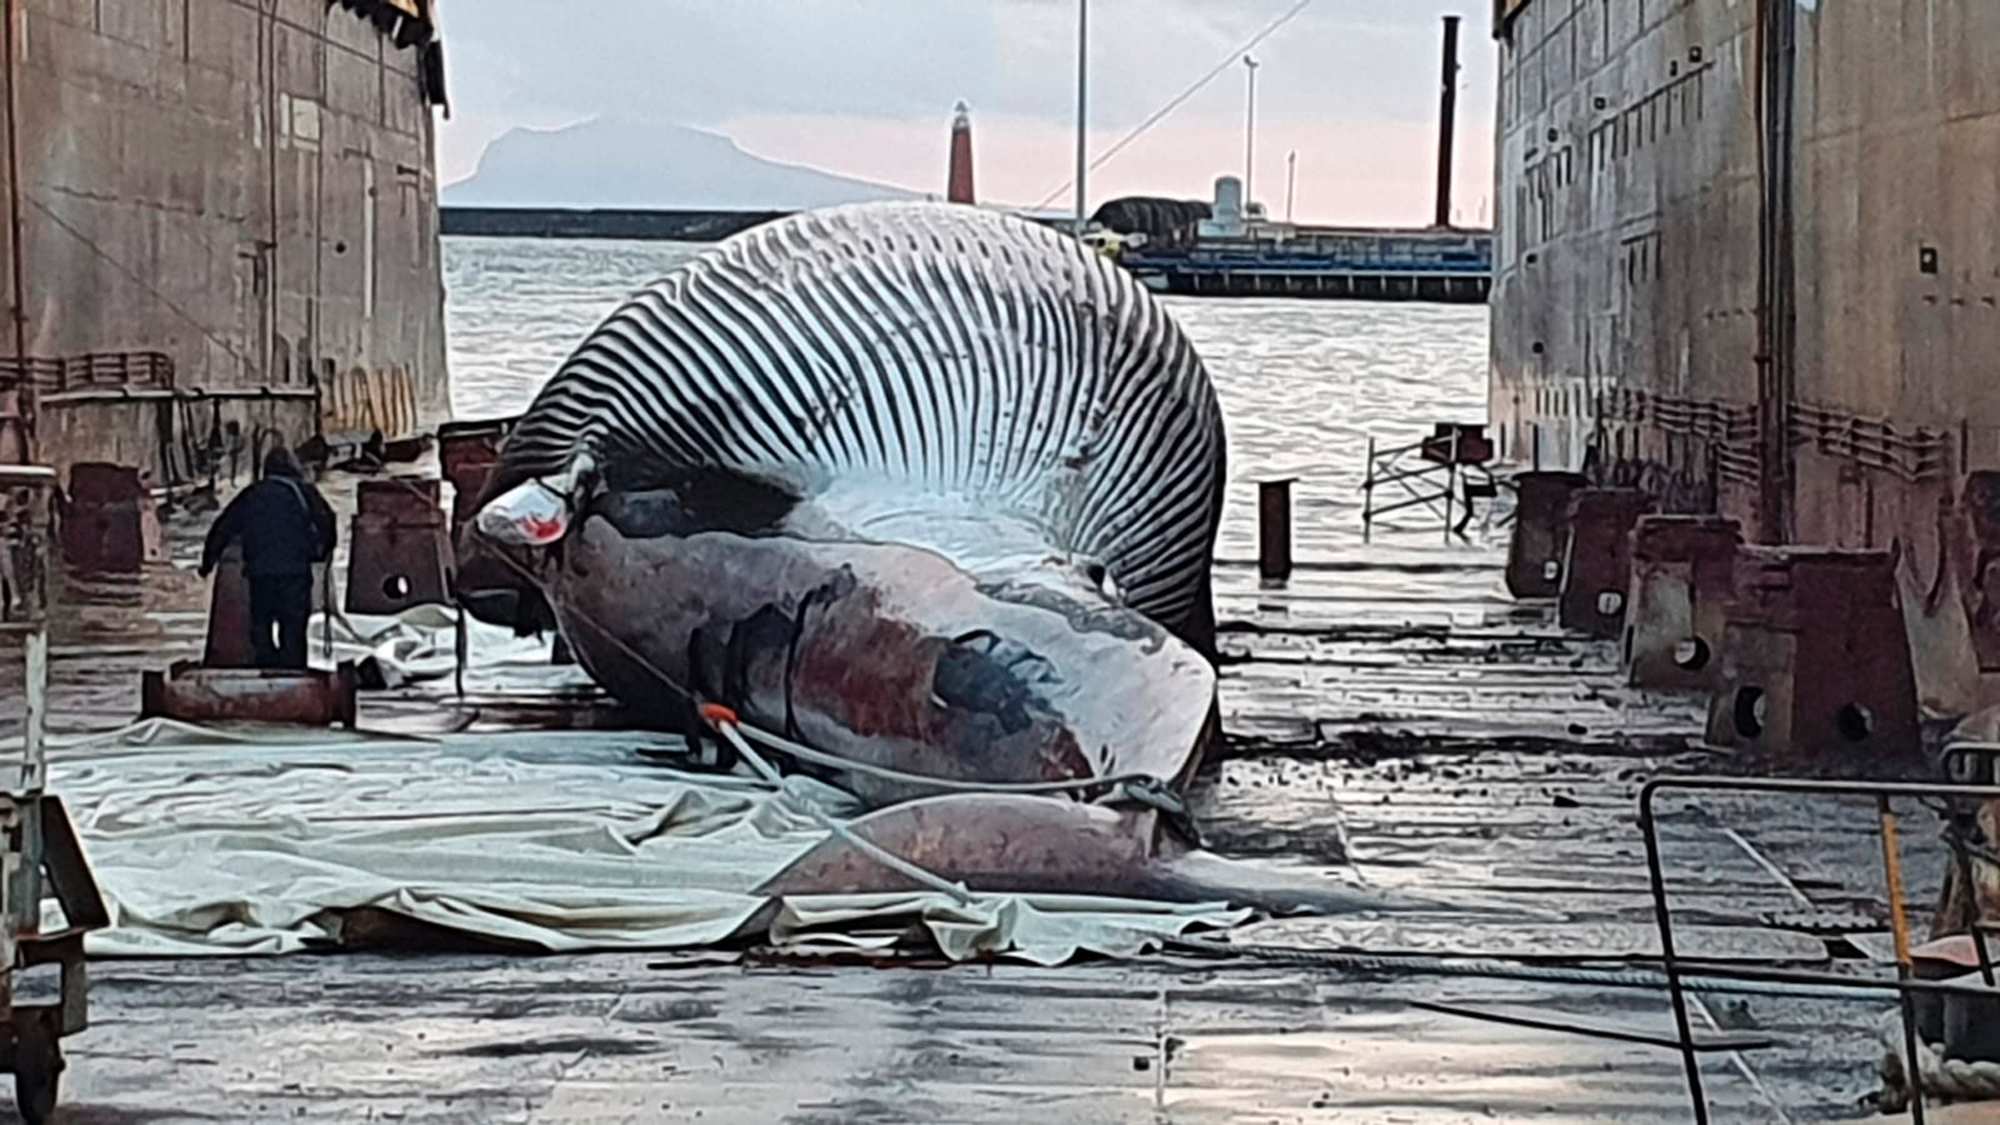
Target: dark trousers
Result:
[279, 605]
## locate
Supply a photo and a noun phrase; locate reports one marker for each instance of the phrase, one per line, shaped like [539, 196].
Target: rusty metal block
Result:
[195, 694]
[103, 525]
[399, 551]
[1458, 443]
[227, 644]
[1683, 571]
[1597, 562]
[467, 453]
[482, 582]
[1816, 662]
[1541, 527]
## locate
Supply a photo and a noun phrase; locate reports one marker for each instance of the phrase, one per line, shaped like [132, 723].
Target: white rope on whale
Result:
[726, 724]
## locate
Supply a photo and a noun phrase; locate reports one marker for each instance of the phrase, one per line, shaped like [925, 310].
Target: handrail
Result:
[1884, 792]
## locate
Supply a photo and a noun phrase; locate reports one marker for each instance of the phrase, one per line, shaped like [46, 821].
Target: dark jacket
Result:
[284, 523]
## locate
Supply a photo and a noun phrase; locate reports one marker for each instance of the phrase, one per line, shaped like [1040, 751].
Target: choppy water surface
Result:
[1304, 384]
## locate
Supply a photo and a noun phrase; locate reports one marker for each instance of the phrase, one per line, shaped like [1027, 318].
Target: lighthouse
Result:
[958, 187]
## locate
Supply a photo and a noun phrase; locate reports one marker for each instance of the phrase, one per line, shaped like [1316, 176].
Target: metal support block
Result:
[1676, 614]
[482, 582]
[467, 455]
[228, 641]
[400, 550]
[1597, 560]
[104, 522]
[1541, 528]
[1816, 663]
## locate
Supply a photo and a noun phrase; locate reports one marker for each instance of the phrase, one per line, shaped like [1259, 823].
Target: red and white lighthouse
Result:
[958, 187]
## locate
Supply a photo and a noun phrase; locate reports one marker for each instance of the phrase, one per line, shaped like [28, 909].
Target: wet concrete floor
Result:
[1397, 712]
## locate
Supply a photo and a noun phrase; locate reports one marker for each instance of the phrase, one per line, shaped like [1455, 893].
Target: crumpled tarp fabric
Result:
[214, 842]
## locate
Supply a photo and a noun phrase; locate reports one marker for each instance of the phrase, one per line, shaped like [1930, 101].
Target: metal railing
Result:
[48, 375]
[1917, 455]
[1905, 986]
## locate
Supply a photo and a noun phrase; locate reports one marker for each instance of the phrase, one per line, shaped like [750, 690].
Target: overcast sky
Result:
[865, 88]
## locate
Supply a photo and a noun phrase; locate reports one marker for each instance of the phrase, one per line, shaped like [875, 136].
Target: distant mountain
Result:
[623, 163]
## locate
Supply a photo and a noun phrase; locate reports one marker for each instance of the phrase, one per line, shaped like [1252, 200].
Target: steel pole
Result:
[1447, 121]
[15, 250]
[1082, 87]
[1291, 181]
[1249, 135]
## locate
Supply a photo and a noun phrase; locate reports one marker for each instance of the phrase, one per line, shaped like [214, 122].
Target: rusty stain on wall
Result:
[244, 185]
[1632, 195]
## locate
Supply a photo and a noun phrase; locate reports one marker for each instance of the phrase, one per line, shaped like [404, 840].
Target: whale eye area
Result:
[985, 673]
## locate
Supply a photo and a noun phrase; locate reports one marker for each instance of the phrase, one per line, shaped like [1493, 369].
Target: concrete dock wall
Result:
[245, 185]
[1625, 305]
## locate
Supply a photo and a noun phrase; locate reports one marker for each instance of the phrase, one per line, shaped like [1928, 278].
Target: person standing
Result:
[285, 526]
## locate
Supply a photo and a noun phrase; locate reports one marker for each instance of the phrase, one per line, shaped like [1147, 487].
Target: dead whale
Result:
[925, 487]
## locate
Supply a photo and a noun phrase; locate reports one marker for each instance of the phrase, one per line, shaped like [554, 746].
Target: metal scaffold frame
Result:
[39, 849]
[1438, 472]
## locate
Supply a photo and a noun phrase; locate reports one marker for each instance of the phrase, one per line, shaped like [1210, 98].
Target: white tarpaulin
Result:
[211, 842]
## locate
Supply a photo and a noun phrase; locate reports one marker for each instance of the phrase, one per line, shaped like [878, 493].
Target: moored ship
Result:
[221, 229]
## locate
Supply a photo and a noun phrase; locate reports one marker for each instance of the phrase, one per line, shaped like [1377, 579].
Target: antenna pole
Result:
[1082, 71]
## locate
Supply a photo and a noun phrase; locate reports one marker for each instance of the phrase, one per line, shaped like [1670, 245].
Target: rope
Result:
[1958, 1080]
[728, 726]
[1133, 787]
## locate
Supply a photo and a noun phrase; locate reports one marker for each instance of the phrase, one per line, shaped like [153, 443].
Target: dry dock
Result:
[1399, 712]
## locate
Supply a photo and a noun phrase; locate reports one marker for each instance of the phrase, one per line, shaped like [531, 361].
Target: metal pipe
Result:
[1274, 529]
[1082, 87]
[34, 750]
[1368, 495]
[1690, 1061]
[264, 362]
[1447, 120]
[16, 251]
[1899, 928]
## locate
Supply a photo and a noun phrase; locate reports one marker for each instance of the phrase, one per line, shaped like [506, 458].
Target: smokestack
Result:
[1447, 115]
[958, 186]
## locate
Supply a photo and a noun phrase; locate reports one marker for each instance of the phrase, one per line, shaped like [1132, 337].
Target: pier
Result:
[1392, 715]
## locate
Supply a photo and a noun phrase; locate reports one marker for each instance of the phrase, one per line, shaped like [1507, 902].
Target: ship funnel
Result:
[958, 183]
[1447, 120]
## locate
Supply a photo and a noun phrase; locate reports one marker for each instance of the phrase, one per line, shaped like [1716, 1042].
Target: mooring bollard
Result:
[1274, 529]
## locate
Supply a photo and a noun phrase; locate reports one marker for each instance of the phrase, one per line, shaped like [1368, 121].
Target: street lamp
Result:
[1291, 181]
[1249, 133]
